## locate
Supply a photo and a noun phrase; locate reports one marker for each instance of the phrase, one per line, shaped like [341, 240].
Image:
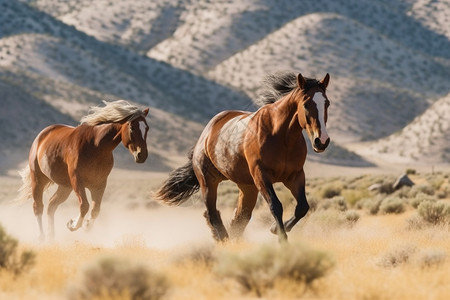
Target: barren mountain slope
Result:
[210, 31]
[434, 15]
[425, 140]
[138, 25]
[77, 58]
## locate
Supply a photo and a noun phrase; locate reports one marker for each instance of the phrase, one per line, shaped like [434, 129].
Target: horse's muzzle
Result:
[140, 157]
[318, 146]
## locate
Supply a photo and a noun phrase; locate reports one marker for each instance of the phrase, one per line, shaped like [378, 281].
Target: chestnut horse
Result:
[255, 150]
[76, 158]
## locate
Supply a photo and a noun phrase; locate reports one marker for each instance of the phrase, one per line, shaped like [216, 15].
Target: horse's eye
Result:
[327, 103]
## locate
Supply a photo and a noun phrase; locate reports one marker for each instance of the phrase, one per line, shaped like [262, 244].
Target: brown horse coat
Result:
[76, 158]
[255, 150]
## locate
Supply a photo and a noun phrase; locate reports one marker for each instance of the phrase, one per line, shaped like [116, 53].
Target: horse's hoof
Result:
[274, 228]
[88, 224]
[70, 225]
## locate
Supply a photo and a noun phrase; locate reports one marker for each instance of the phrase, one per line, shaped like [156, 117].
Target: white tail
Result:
[25, 191]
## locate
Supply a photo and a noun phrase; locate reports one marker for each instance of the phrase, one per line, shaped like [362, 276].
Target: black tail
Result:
[180, 185]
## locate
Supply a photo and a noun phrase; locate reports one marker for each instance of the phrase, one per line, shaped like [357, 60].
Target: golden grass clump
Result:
[259, 270]
[435, 212]
[115, 278]
[11, 260]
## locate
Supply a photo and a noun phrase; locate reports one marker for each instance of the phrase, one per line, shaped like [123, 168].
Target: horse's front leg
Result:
[97, 195]
[80, 191]
[265, 187]
[296, 184]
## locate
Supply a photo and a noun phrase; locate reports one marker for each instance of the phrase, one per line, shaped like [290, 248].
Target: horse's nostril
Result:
[317, 142]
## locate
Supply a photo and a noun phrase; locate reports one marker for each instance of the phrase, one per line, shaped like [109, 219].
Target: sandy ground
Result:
[128, 212]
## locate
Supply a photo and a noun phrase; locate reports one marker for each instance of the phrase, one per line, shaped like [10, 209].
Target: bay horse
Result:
[76, 158]
[255, 150]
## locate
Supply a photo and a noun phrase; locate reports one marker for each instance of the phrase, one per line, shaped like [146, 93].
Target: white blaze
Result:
[142, 128]
[319, 99]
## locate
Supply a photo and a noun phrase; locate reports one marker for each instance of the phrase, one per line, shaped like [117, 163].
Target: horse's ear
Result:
[145, 111]
[325, 80]
[301, 82]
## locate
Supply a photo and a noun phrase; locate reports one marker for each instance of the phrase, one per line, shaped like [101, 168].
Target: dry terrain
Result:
[406, 257]
[187, 60]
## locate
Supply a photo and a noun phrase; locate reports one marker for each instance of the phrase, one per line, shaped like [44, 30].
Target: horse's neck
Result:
[107, 135]
[285, 116]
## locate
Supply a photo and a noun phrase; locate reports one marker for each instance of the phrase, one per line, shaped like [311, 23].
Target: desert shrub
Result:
[420, 197]
[421, 188]
[432, 258]
[397, 256]
[353, 196]
[371, 205]
[331, 190]
[402, 192]
[111, 277]
[336, 203]
[415, 222]
[313, 204]
[435, 212]
[392, 205]
[444, 192]
[203, 254]
[351, 217]
[333, 219]
[386, 188]
[258, 270]
[10, 258]
[410, 171]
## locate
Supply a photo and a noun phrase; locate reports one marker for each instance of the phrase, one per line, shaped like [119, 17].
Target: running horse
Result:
[76, 158]
[255, 150]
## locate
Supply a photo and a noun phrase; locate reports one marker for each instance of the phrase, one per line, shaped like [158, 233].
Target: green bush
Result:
[392, 205]
[435, 212]
[257, 271]
[115, 278]
[10, 259]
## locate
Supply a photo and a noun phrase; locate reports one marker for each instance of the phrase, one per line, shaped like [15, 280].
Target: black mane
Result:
[278, 85]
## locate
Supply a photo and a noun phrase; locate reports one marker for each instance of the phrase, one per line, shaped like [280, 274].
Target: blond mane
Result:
[112, 112]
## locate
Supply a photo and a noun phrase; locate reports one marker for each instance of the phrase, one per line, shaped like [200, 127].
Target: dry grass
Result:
[379, 256]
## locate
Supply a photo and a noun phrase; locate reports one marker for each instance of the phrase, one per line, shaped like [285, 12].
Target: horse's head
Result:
[134, 136]
[313, 110]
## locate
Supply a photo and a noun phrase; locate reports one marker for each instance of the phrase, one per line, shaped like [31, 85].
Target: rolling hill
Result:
[389, 63]
[424, 140]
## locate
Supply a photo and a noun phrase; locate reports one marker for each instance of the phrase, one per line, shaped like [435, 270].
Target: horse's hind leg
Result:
[212, 215]
[38, 184]
[61, 194]
[248, 195]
